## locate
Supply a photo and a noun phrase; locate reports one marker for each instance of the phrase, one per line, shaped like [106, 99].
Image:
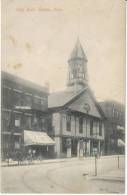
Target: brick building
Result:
[114, 127]
[24, 107]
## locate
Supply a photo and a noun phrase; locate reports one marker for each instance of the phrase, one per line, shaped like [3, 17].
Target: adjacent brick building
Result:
[114, 127]
[24, 107]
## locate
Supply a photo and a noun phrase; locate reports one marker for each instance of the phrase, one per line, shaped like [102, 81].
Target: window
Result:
[42, 123]
[81, 125]
[17, 119]
[37, 100]
[74, 70]
[68, 122]
[27, 100]
[18, 99]
[6, 120]
[100, 128]
[28, 122]
[64, 145]
[17, 145]
[36, 122]
[17, 123]
[6, 97]
[91, 127]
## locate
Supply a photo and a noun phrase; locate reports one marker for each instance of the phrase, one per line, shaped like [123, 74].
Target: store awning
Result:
[37, 138]
[120, 143]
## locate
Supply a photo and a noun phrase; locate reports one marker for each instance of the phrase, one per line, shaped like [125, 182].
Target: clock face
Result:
[86, 107]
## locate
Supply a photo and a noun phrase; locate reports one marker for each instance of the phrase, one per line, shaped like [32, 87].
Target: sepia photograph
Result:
[63, 96]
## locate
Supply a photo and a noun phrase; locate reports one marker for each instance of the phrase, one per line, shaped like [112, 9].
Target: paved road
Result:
[76, 176]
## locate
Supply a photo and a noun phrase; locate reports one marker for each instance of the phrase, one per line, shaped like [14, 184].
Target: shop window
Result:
[68, 122]
[81, 125]
[91, 127]
[68, 143]
[100, 129]
[64, 146]
[17, 145]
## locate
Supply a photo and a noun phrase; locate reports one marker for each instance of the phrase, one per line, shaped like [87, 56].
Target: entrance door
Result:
[68, 143]
[74, 147]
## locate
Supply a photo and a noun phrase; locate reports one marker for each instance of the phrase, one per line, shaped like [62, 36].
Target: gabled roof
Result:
[76, 101]
[61, 98]
[78, 52]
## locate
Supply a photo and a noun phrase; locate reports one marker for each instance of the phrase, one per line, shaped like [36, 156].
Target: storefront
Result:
[39, 142]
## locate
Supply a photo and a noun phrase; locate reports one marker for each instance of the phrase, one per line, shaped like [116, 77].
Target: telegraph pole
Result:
[95, 164]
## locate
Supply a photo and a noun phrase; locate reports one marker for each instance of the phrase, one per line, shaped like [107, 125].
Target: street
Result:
[69, 176]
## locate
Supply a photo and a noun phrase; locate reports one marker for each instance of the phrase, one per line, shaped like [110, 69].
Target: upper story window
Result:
[91, 127]
[27, 100]
[35, 120]
[68, 122]
[100, 129]
[17, 98]
[17, 120]
[6, 96]
[28, 121]
[39, 100]
[6, 120]
[81, 125]
[42, 123]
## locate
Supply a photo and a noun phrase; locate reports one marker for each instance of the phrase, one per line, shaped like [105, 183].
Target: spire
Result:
[77, 68]
[78, 51]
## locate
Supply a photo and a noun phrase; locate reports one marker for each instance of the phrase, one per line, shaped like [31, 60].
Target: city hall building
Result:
[77, 118]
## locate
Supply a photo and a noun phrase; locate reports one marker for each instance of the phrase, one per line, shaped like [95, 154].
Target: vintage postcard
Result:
[63, 96]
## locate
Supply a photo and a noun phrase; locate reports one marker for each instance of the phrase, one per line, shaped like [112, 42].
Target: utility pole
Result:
[95, 164]
[118, 162]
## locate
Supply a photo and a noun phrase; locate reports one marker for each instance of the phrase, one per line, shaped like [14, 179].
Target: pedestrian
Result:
[29, 156]
[33, 154]
[18, 156]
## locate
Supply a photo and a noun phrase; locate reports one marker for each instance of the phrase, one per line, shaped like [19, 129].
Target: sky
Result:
[38, 37]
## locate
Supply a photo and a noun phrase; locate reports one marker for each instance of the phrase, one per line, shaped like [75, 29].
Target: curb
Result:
[37, 163]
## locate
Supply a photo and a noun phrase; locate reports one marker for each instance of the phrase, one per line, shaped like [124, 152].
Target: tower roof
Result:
[78, 51]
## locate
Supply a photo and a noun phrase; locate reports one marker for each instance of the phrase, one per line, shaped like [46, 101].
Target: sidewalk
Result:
[113, 175]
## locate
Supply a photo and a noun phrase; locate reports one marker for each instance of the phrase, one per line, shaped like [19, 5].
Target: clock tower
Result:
[77, 69]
